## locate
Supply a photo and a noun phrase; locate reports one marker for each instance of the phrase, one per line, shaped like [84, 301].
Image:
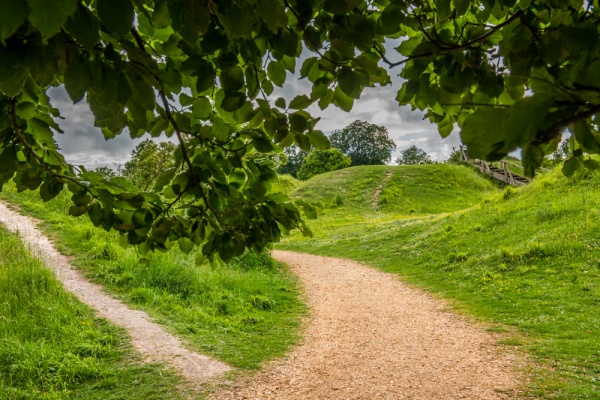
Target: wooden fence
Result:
[502, 172]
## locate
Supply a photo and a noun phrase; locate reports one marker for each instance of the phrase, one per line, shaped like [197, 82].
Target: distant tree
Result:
[413, 156]
[454, 157]
[321, 161]
[106, 172]
[295, 157]
[149, 159]
[562, 153]
[364, 143]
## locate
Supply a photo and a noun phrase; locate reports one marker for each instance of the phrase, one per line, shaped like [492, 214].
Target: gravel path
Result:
[372, 337]
[148, 338]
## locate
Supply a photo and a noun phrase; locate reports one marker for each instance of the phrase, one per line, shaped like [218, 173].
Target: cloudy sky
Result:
[83, 144]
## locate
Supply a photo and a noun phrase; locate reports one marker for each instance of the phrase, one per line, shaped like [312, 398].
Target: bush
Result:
[321, 161]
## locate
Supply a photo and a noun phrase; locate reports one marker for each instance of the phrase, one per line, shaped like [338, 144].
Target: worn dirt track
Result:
[147, 337]
[371, 337]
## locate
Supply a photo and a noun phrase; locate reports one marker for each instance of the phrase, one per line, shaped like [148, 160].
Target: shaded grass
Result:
[526, 258]
[243, 313]
[52, 347]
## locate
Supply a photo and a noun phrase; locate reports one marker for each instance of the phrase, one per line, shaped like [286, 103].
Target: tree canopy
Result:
[413, 156]
[508, 73]
[148, 160]
[364, 143]
[321, 161]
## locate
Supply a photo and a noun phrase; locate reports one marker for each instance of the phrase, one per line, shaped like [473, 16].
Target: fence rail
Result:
[502, 173]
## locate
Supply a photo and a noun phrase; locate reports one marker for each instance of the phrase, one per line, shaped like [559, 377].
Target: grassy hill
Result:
[522, 260]
[413, 189]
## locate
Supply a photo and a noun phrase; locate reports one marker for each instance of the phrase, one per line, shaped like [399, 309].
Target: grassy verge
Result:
[52, 347]
[243, 313]
[526, 258]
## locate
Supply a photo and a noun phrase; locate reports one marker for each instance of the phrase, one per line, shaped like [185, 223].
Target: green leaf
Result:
[141, 218]
[185, 244]
[13, 70]
[276, 73]
[319, 140]
[85, 27]
[206, 76]
[95, 214]
[116, 15]
[280, 102]
[160, 15]
[584, 135]
[533, 157]
[491, 145]
[202, 108]
[263, 145]
[26, 110]
[302, 141]
[50, 189]
[233, 101]
[78, 79]
[185, 100]
[12, 14]
[164, 179]
[349, 82]
[307, 66]
[592, 165]
[219, 129]
[232, 79]
[390, 19]
[298, 122]
[300, 102]
[41, 133]
[76, 211]
[461, 6]
[50, 15]
[190, 18]
[342, 100]
[571, 166]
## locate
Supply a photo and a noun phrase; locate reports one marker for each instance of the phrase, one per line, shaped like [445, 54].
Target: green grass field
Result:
[522, 260]
[52, 347]
[243, 313]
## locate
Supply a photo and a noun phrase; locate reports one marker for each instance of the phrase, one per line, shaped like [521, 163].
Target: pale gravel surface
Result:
[148, 338]
[372, 337]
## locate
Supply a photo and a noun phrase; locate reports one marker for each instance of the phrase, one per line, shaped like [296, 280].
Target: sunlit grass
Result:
[52, 347]
[243, 313]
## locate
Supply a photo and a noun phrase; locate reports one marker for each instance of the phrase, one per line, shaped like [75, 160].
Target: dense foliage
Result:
[202, 71]
[364, 143]
[412, 156]
[321, 161]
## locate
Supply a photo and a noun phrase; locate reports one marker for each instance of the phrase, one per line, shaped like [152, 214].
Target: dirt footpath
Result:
[371, 337]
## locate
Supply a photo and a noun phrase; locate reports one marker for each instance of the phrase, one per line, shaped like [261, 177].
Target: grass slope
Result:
[526, 258]
[243, 313]
[52, 347]
[414, 189]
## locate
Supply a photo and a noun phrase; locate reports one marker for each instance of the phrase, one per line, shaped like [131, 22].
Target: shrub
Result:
[321, 161]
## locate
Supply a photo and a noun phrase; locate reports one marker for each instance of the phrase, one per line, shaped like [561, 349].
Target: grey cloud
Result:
[82, 143]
